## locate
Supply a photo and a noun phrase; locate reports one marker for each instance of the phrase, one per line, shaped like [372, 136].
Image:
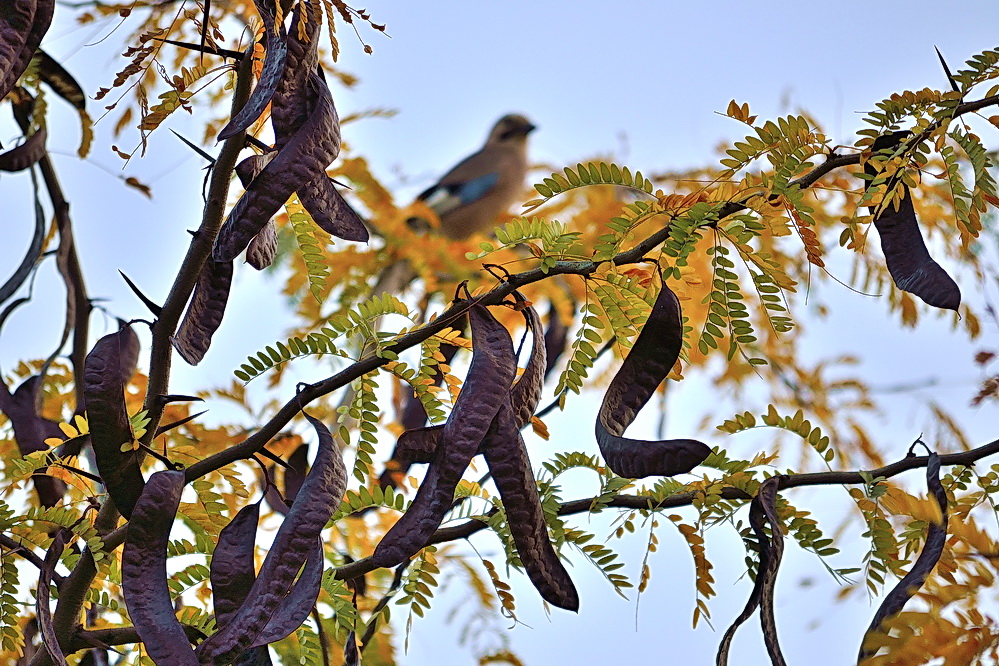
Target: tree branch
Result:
[16, 548]
[470, 527]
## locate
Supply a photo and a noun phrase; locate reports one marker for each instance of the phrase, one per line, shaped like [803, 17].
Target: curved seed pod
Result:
[486, 387]
[295, 607]
[262, 249]
[319, 496]
[651, 358]
[144, 576]
[295, 473]
[936, 537]
[43, 608]
[16, 20]
[205, 311]
[290, 104]
[61, 81]
[128, 351]
[23, 23]
[303, 158]
[510, 466]
[330, 211]
[419, 444]
[270, 74]
[762, 508]
[31, 257]
[30, 432]
[26, 155]
[104, 391]
[909, 262]
[231, 569]
[249, 168]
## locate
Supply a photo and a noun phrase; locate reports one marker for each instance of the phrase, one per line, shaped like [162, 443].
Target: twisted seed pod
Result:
[319, 496]
[205, 311]
[330, 211]
[43, 607]
[762, 508]
[26, 155]
[104, 392]
[231, 570]
[909, 262]
[295, 607]
[262, 249]
[650, 360]
[143, 568]
[486, 387]
[270, 73]
[510, 466]
[936, 538]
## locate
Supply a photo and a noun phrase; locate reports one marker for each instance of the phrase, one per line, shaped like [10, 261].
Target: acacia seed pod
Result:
[511, 470]
[26, 155]
[231, 568]
[486, 386]
[30, 432]
[205, 311]
[144, 576]
[650, 360]
[23, 23]
[936, 538]
[43, 608]
[104, 392]
[321, 493]
[908, 261]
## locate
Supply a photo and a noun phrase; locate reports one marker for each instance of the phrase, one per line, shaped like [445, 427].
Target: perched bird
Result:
[469, 197]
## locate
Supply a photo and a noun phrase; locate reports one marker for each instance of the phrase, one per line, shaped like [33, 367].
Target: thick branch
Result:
[470, 527]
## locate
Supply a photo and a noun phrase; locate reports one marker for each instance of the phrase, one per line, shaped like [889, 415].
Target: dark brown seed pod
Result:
[763, 508]
[144, 576]
[23, 23]
[936, 538]
[30, 432]
[303, 158]
[486, 387]
[330, 211]
[510, 466]
[128, 352]
[231, 570]
[104, 391]
[295, 607]
[61, 81]
[296, 471]
[321, 493]
[270, 74]
[262, 249]
[205, 311]
[909, 262]
[26, 155]
[43, 607]
[556, 336]
[650, 360]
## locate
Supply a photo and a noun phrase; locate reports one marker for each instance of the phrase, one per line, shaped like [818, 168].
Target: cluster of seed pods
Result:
[251, 610]
[307, 140]
[23, 23]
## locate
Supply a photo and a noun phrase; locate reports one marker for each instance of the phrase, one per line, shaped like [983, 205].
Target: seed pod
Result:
[231, 569]
[144, 576]
[61, 81]
[936, 538]
[104, 392]
[43, 608]
[270, 74]
[762, 508]
[262, 249]
[909, 262]
[30, 432]
[321, 493]
[291, 104]
[556, 336]
[303, 158]
[295, 607]
[330, 211]
[205, 311]
[486, 386]
[510, 466]
[419, 444]
[23, 23]
[26, 155]
[650, 360]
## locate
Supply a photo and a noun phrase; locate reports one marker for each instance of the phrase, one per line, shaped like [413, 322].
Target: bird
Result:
[470, 196]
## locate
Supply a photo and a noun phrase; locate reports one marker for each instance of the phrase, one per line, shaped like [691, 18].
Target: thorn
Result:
[179, 422]
[195, 148]
[210, 50]
[193, 232]
[950, 77]
[174, 397]
[153, 307]
[343, 185]
[254, 142]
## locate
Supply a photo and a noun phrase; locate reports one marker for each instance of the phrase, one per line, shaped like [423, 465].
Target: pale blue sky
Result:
[642, 81]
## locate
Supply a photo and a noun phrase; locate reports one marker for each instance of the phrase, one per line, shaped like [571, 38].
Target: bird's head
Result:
[510, 129]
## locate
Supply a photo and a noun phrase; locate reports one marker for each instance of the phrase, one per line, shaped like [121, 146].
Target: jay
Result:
[469, 197]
